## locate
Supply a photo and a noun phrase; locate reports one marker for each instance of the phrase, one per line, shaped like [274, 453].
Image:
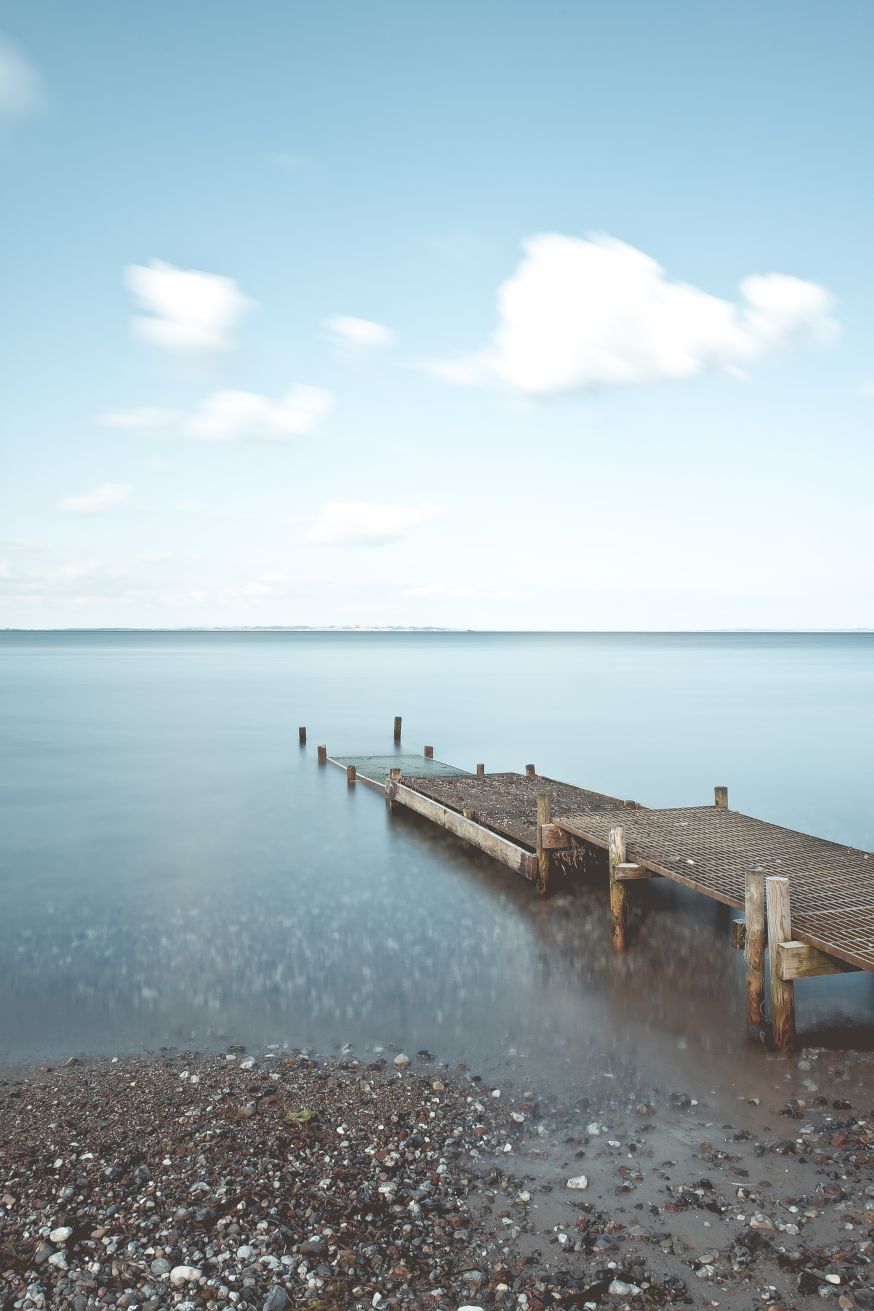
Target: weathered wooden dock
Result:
[810, 901]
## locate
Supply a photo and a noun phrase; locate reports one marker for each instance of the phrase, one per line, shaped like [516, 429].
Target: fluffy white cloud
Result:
[359, 332]
[185, 309]
[361, 523]
[104, 497]
[146, 416]
[589, 312]
[227, 416]
[21, 90]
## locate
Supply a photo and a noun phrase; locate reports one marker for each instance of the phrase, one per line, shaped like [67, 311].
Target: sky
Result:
[498, 315]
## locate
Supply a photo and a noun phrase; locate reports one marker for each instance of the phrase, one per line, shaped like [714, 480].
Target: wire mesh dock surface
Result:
[375, 769]
[831, 887]
[507, 803]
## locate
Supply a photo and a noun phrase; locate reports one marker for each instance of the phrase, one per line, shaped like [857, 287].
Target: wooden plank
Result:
[554, 838]
[754, 946]
[515, 858]
[628, 873]
[782, 990]
[798, 960]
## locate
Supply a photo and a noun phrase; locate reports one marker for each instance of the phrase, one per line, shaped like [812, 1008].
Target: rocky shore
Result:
[275, 1181]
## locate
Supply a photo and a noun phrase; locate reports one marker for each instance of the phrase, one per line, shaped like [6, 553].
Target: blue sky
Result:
[499, 315]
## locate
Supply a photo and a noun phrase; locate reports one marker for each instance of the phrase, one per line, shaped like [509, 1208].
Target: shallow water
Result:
[174, 869]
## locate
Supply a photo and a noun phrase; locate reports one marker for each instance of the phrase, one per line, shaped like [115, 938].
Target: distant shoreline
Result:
[516, 632]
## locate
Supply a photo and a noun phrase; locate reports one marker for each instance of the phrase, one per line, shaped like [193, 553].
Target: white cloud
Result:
[361, 523]
[588, 312]
[231, 415]
[21, 88]
[359, 332]
[145, 416]
[104, 497]
[185, 309]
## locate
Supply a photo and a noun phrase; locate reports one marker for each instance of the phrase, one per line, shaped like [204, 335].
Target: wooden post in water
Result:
[720, 798]
[429, 753]
[544, 816]
[350, 773]
[782, 991]
[397, 728]
[393, 776]
[530, 771]
[618, 890]
[754, 946]
[480, 771]
[323, 755]
[302, 736]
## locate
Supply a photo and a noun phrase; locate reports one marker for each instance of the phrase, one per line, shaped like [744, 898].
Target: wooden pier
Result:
[809, 901]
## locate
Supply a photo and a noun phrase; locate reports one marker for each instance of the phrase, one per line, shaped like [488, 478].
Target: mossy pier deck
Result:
[810, 900]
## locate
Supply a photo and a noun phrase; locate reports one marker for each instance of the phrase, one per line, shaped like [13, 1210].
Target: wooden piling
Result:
[393, 776]
[530, 771]
[720, 798]
[323, 755]
[618, 890]
[480, 771]
[429, 753]
[754, 946]
[397, 728]
[302, 735]
[782, 990]
[544, 816]
[350, 773]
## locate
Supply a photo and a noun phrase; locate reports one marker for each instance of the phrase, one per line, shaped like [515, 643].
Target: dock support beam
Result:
[323, 755]
[302, 736]
[720, 798]
[544, 816]
[397, 728]
[618, 890]
[782, 990]
[754, 947]
[429, 753]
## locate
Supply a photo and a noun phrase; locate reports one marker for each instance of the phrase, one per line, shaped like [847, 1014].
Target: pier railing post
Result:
[397, 728]
[544, 816]
[323, 755]
[720, 798]
[302, 735]
[754, 946]
[782, 991]
[618, 890]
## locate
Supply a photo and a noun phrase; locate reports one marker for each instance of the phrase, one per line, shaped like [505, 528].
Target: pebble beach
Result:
[244, 1182]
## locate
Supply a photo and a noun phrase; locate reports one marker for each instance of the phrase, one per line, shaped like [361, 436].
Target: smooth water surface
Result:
[174, 869]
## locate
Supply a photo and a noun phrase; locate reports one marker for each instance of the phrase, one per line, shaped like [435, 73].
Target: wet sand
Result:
[276, 1180]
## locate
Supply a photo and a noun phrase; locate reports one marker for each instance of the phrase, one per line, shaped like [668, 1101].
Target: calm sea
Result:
[174, 869]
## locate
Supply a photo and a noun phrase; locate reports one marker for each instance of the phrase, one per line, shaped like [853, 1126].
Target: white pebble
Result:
[578, 1181]
[402, 1060]
[60, 1235]
[183, 1274]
